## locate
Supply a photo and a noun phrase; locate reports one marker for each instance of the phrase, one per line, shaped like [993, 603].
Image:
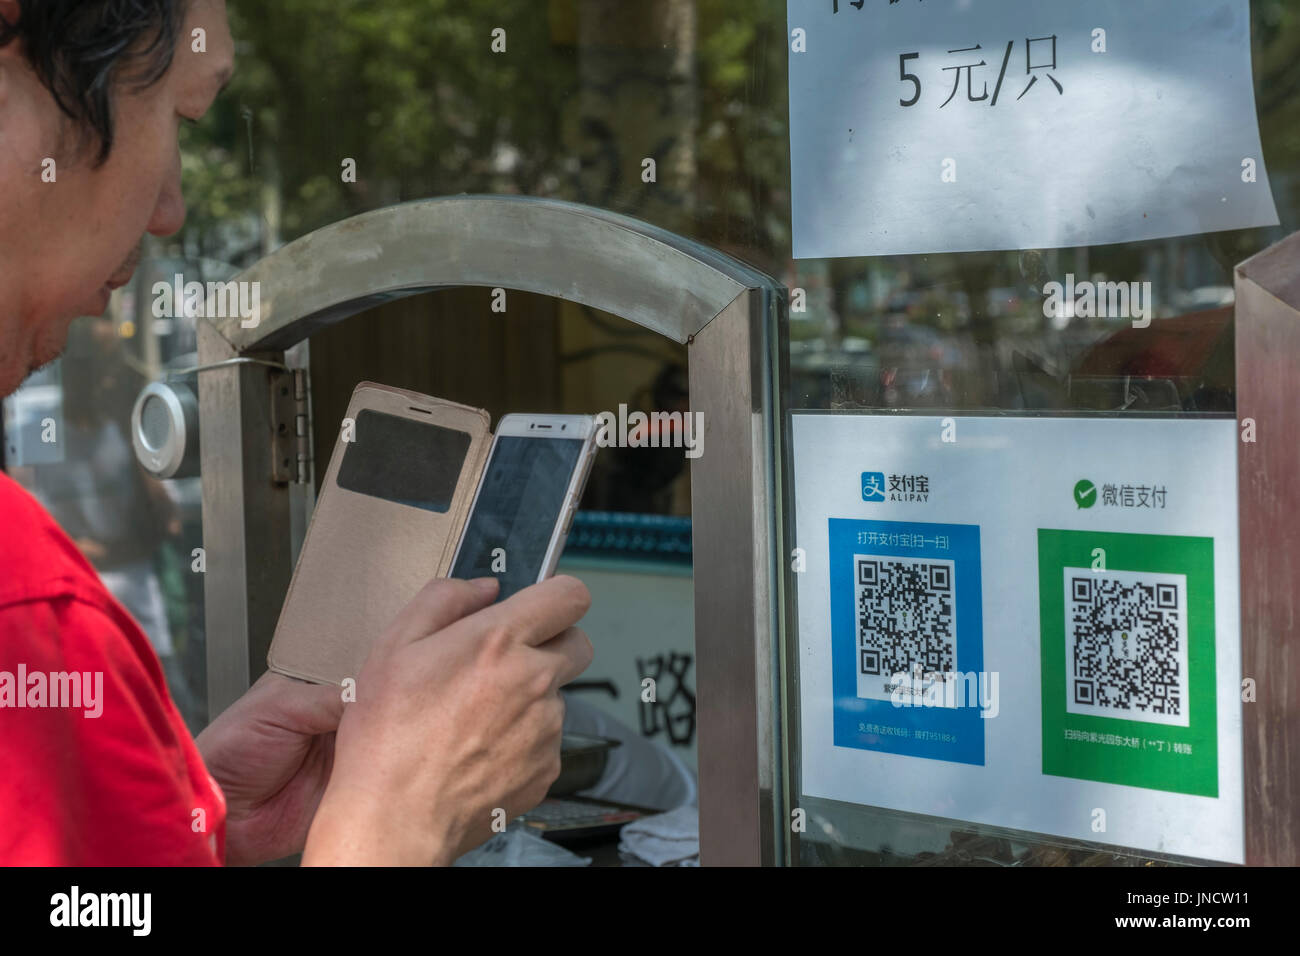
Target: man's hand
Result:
[271, 752]
[458, 714]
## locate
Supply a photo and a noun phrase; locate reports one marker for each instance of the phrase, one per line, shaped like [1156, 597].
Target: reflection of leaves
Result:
[744, 148]
[218, 193]
[409, 89]
[1275, 35]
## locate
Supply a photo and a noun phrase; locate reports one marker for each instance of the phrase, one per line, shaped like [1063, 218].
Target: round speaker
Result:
[165, 430]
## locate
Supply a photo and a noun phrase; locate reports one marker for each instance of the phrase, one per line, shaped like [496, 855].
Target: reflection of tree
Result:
[1275, 50]
[1275, 57]
[407, 88]
[636, 102]
[411, 90]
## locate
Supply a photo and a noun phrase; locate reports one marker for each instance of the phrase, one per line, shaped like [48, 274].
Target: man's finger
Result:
[441, 602]
[538, 613]
[571, 654]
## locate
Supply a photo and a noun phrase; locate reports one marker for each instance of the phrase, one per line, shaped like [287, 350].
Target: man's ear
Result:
[10, 53]
[10, 13]
[8, 17]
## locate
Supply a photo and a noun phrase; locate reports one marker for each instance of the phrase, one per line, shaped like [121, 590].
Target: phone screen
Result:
[517, 509]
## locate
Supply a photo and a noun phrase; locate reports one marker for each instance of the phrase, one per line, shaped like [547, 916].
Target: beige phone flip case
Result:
[364, 558]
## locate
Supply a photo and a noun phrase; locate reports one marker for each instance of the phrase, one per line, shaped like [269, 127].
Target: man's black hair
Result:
[81, 49]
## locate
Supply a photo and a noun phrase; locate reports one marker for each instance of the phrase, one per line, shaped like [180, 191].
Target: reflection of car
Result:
[916, 365]
[908, 365]
[915, 388]
[1183, 363]
[1204, 298]
[27, 413]
[913, 345]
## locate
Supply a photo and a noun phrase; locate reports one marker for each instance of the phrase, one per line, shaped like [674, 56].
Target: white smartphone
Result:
[526, 499]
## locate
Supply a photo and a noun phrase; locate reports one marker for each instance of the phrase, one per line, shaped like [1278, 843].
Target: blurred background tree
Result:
[411, 91]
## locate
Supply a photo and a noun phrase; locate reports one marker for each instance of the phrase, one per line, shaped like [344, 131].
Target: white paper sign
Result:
[921, 126]
[1074, 581]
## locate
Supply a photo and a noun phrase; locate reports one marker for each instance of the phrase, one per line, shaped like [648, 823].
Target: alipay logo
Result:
[873, 486]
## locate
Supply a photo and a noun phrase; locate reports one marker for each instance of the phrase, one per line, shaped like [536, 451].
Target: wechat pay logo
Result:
[873, 486]
[1085, 494]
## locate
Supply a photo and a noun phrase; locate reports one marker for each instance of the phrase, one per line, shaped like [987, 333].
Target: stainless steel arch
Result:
[614, 263]
[727, 311]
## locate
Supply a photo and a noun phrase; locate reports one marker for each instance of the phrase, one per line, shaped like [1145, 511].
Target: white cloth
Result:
[669, 839]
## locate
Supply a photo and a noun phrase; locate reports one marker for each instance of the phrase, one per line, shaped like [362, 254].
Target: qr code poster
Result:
[1128, 659]
[1126, 645]
[907, 620]
[906, 638]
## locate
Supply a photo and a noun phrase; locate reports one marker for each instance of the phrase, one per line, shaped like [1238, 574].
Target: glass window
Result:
[673, 112]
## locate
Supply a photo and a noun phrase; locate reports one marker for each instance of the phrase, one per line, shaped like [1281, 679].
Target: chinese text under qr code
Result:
[1126, 645]
[906, 619]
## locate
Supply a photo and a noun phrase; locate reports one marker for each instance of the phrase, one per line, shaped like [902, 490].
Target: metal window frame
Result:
[1267, 290]
[727, 312]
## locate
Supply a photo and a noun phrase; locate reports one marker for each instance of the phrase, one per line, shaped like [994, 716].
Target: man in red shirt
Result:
[457, 709]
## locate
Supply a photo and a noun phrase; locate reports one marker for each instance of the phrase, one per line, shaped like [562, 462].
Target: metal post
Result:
[246, 542]
[1268, 470]
[736, 543]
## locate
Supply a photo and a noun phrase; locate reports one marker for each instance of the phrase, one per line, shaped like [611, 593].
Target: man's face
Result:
[64, 245]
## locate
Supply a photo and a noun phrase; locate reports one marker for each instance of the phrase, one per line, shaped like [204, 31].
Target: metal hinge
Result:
[302, 425]
[291, 459]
